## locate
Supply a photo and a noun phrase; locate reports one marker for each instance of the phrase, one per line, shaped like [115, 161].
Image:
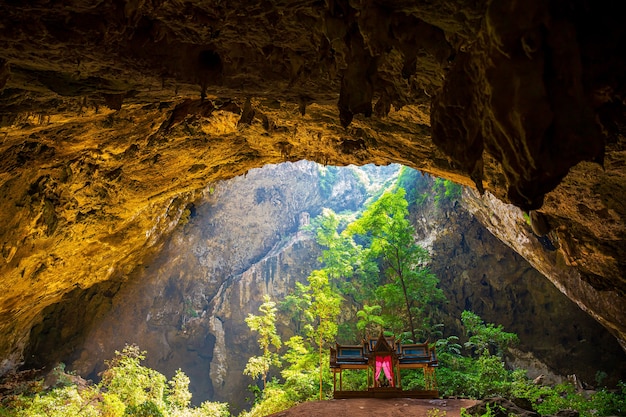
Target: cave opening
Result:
[186, 304]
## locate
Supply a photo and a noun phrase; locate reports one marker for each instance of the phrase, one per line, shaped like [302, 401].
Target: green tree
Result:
[325, 309]
[179, 395]
[133, 383]
[296, 306]
[486, 339]
[265, 325]
[446, 191]
[349, 266]
[370, 320]
[300, 376]
[386, 227]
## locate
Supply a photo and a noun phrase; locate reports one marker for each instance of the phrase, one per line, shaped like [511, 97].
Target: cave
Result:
[116, 117]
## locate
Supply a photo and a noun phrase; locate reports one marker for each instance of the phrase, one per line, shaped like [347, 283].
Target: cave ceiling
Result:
[115, 116]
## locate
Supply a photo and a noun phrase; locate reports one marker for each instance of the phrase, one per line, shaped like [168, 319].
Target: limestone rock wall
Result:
[550, 255]
[186, 306]
[479, 272]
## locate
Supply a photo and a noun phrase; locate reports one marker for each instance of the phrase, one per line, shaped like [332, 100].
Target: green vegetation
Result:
[375, 273]
[127, 388]
[549, 400]
[328, 177]
[407, 291]
[446, 192]
[265, 325]
[407, 179]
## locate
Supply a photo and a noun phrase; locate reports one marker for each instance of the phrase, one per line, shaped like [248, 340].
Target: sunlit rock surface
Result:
[105, 140]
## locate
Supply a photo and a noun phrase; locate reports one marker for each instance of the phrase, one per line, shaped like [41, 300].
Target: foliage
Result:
[483, 374]
[328, 177]
[265, 325]
[474, 378]
[407, 179]
[498, 410]
[133, 383]
[61, 376]
[324, 308]
[127, 389]
[145, 409]
[350, 268]
[300, 380]
[59, 402]
[446, 192]
[409, 289]
[486, 338]
[435, 412]
[275, 399]
[179, 395]
[369, 319]
[189, 310]
[296, 306]
[449, 345]
[549, 400]
[300, 375]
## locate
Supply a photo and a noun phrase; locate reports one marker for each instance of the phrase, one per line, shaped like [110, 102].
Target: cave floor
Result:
[373, 407]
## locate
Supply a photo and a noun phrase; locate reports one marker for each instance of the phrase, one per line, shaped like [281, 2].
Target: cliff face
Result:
[187, 305]
[481, 273]
[116, 115]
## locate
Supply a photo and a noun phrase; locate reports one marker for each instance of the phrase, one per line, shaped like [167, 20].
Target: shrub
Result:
[145, 409]
[551, 399]
[133, 383]
[58, 402]
[127, 389]
[274, 399]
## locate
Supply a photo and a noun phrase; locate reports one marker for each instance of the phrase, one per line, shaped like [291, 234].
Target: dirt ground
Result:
[373, 407]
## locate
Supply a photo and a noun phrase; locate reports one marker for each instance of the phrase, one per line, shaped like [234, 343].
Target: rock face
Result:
[116, 115]
[552, 255]
[478, 272]
[187, 305]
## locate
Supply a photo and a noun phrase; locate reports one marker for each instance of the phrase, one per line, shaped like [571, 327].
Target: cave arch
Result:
[105, 146]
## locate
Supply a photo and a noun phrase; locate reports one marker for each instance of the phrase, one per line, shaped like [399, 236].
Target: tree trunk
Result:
[408, 308]
[320, 343]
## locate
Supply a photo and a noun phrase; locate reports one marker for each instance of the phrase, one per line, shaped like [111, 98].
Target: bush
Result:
[274, 399]
[127, 389]
[133, 383]
[446, 192]
[58, 402]
[550, 400]
[145, 409]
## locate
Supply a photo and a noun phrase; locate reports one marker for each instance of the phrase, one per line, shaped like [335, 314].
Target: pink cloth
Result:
[383, 363]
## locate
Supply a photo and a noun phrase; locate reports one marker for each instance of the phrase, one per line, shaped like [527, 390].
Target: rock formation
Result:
[187, 306]
[480, 273]
[116, 115]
